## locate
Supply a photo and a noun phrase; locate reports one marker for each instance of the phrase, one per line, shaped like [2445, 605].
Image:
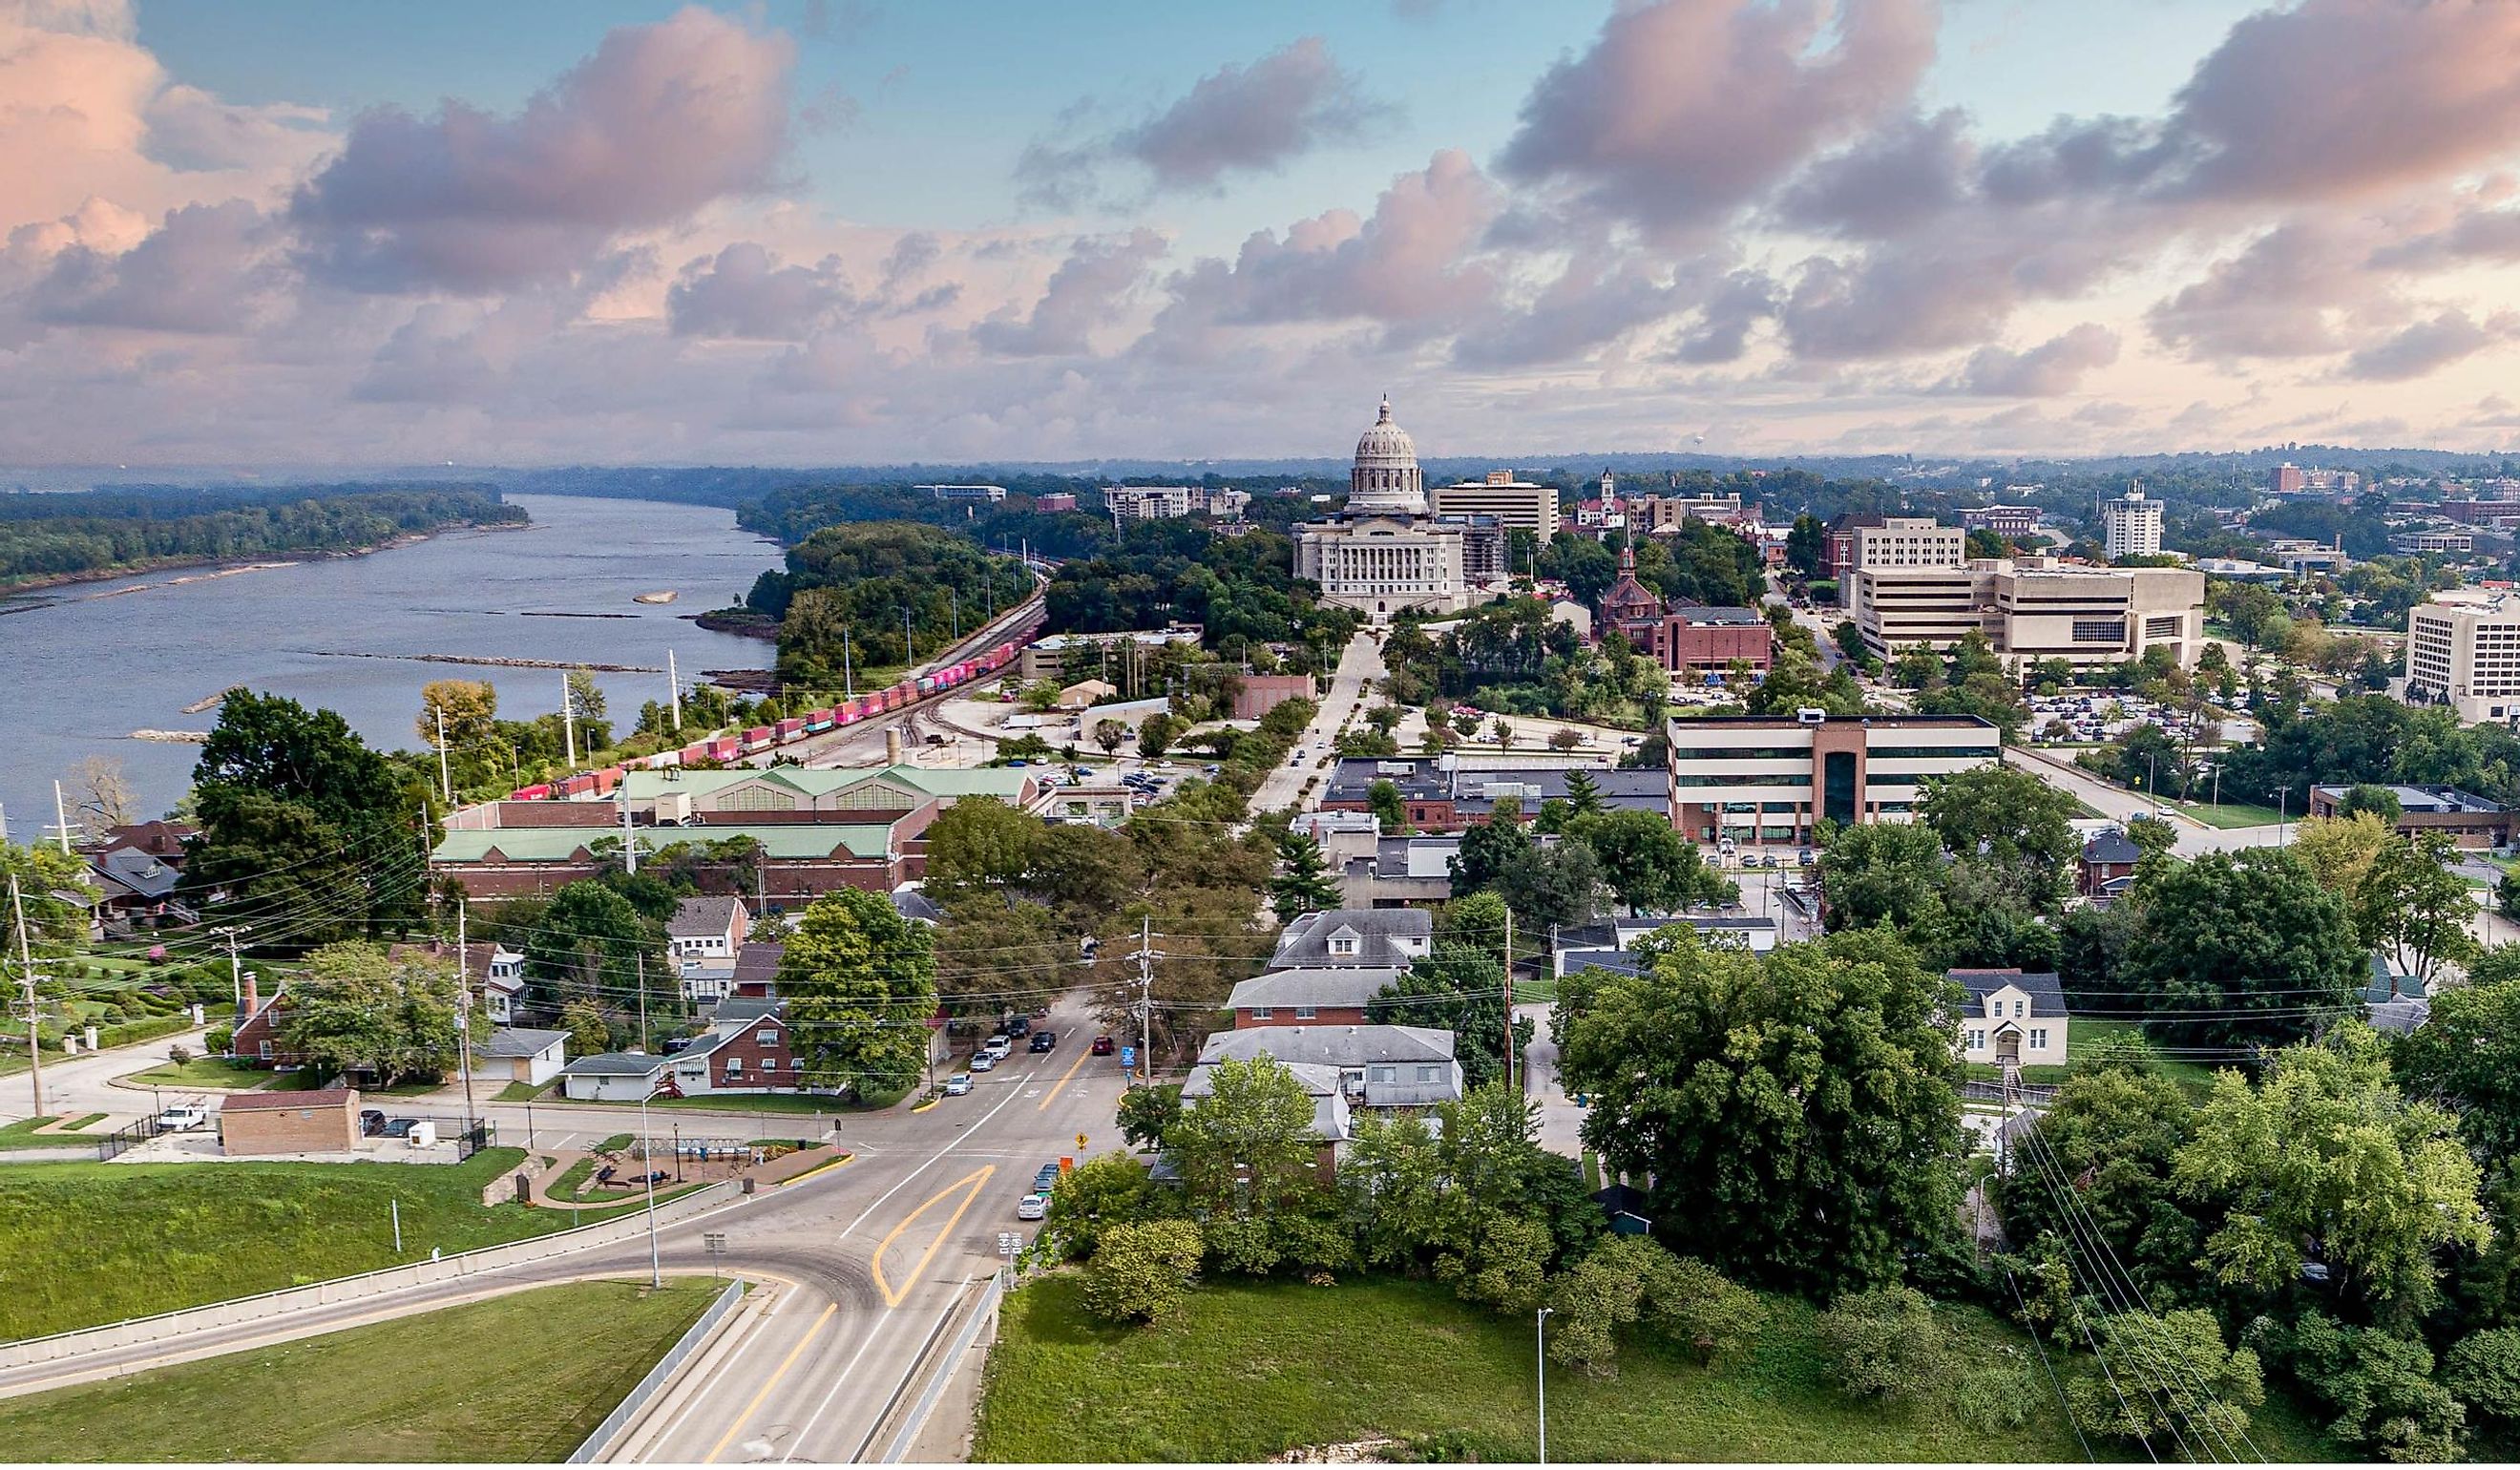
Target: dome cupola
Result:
[1386, 481]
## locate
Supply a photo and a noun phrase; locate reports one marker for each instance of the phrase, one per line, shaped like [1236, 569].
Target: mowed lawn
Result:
[1249, 1371]
[84, 1243]
[517, 1378]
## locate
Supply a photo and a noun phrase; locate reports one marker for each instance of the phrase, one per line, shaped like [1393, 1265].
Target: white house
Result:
[2013, 1018]
[516, 1053]
[612, 1076]
[708, 928]
[503, 985]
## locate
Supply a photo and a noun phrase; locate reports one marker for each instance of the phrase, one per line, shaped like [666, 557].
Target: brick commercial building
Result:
[1760, 779]
[268, 1123]
[1699, 641]
[2469, 821]
[1446, 793]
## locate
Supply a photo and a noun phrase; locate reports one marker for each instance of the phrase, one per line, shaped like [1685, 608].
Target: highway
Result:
[865, 1262]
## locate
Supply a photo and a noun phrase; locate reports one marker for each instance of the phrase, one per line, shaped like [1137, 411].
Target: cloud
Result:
[2275, 297]
[1902, 174]
[659, 121]
[1079, 298]
[1234, 121]
[2426, 346]
[202, 271]
[1723, 322]
[1683, 109]
[743, 292]
[2050, 370]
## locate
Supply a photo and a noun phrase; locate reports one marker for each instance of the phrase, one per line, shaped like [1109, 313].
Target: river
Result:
[92, 662]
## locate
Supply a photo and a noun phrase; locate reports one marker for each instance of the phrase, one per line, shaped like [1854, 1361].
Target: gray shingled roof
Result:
[2046, 995]
[756, 961]
[1331, 1045]
[1289, 987]
[1306, 941]
[615, 1065]
[519, 1041]
[744, 1008]
[2111, 846]
[701, 917]
[1330, 1116]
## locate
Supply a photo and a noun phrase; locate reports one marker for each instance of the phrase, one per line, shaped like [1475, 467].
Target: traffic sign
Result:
[1128, 1058]
[1080, 1142]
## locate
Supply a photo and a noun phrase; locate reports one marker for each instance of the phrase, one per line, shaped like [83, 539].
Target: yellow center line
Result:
[1073, 1067]
[771, 1382]
[975, 1180]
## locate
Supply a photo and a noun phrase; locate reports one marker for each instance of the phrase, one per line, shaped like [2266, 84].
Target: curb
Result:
[810, 1172]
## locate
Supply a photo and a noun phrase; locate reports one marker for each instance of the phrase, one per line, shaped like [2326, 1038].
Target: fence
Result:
[467, 1139]
[2033, 1094]
[597, 1443]
[167, 1325]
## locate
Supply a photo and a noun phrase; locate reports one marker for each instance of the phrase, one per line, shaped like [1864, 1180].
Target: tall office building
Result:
[2464, 651]
[1775, 778]
[2131, 526]
[2034, 608]
[1517, 503]
[1898, 543]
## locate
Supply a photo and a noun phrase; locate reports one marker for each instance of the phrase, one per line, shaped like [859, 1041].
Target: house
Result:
[1333, 1121]
[2107, 858]
[614, 1077]
[134, 884]
[2467, 821]
[1327, 998]
[912, 904]
[2392, 1001]
[756, 969]
[1395, 872]
[256, 1037]
[1624, 1206]
[1756, 934]
[516, 1053]
[1403, 1067]
[503, 985]
[1356, 939]
[323, 1121]
[708, 926]
[746, 1050]
[2013, 1018]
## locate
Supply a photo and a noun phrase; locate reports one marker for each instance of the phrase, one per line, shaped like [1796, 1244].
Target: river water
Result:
[92, 662]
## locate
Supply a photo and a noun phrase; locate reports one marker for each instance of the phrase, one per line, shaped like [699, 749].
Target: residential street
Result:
[1361, 661]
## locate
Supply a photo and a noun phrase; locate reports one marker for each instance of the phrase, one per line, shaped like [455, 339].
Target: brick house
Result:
[326, 1121]
[1308, 996]
[257, 1035]
[756, 971]
[2107, 858]
[2466, 820]
[746, 1050]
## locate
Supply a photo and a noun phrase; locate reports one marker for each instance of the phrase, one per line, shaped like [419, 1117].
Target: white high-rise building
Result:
[1386, 550]
[1517, 503]
[2131, 526]
[2464, 651]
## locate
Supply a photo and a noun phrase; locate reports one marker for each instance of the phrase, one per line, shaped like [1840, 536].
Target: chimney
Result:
[892, 746]
[253, 1001]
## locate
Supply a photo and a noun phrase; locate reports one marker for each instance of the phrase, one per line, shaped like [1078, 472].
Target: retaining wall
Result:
[683, 1346]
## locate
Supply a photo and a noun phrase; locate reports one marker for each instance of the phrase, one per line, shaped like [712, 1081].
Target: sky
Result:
[296, 235]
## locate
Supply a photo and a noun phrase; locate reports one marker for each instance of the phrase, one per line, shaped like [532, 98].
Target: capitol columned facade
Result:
[1385, 551]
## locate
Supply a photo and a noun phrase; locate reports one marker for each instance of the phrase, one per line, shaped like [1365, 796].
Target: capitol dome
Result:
[1386, 481]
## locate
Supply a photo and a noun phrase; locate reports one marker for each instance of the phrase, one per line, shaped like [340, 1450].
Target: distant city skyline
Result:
[297, 234]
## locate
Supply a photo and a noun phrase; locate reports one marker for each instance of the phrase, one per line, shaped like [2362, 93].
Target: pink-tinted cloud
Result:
[2426, 346]
[203, 270]
[659, 121]
[1079, 298]
[2052, 368]
[743, 292]
[1683, 109]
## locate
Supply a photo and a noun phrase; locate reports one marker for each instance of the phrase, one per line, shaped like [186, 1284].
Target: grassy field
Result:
[83, 1244]
[2085, 1039]
[2230, 814]
[23, 1135]
[442, 1386]
[1248, 1371]
[202, 1072]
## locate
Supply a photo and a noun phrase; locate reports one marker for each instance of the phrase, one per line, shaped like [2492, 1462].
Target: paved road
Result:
[74, 1086]
[2123, 805]
[1361, 661]
[869, 1259]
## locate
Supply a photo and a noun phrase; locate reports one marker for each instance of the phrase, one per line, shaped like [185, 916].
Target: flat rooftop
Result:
[2428, 801]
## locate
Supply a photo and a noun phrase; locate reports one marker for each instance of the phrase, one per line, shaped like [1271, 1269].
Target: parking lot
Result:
[2088, 717]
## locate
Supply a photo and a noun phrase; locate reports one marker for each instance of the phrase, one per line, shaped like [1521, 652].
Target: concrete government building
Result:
[1773, 779]
[1386, 550]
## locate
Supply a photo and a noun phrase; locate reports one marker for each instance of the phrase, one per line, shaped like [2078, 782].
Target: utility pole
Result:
[643, 1002]
[235, 973]
[1146, 958]
[35, 1031]
[909, 649]
[1508, 998]
[568, 720]
[2282, 792]
[464, 1017]
[629, 837]
[445, 784]
[674, 691]
[848, 669]
[60, 821]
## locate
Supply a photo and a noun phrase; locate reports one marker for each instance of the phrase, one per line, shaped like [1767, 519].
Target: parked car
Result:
[371, 1121]
[1032, 1207]
[1043, 1040]
[1045, 1179]
[183, 1119]
[984, 1061]
[998, 1044]
[1020, 1026]
[1102, 1045]
[400, 1128]
[958, 1084]
[1807, 860]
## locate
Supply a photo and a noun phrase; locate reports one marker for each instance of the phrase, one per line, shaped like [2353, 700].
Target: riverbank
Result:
[209, 567]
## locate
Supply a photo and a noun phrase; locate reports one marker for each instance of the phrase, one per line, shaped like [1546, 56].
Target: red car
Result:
[1102, 1045]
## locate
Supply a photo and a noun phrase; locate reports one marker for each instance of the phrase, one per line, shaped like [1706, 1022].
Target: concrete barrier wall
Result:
[168, 1326]
[683, 1346]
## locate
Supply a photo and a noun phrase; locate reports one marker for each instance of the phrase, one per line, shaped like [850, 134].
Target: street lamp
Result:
[648, 1155]
[1540, 1372]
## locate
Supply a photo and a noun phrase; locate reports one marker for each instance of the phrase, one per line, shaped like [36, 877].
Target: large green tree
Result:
[355, 1009]
[592, 944]
[1459, 988]
[1883, 872]
[2243, 950]
[2015, 822]
[1649, 864]
[1303, 884]
[860, 985]
[54, 888]
[2467, 1056]
[1797, 1114]
[2413, 908]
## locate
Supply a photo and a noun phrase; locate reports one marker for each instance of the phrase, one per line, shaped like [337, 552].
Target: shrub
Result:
[2186, 1376]
[1999, 1398]
[1141, 1271]
[179, 1054]
[218, 1039]
[1697, 1308]
[2484, 1369]
[1885, 1343]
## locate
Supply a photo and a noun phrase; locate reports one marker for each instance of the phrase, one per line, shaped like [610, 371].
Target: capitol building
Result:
[1386, 550]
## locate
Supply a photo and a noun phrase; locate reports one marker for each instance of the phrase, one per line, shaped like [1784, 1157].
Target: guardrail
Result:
[597, 1443]
[165, 1326]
